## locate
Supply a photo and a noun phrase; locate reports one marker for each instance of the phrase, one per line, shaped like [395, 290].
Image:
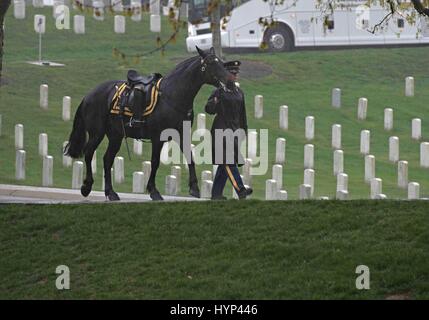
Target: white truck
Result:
[301, 23]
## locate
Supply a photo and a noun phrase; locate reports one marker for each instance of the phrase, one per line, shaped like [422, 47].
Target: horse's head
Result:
[214, 72]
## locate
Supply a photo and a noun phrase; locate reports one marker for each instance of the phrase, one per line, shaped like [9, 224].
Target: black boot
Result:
[244, 193]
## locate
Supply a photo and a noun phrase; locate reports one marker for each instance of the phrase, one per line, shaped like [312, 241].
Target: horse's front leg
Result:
[151, 187]
[194, 190]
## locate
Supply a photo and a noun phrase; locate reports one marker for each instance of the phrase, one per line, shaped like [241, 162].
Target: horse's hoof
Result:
[113, 196]
[156, 196]
[195, 192]
[85, 190]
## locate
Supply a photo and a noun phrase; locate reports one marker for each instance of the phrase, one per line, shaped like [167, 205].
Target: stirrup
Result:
[134, 123]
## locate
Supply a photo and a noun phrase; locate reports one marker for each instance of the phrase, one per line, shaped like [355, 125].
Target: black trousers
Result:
[224, 172]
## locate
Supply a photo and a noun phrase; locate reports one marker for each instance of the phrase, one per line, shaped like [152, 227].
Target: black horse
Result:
[175, 105]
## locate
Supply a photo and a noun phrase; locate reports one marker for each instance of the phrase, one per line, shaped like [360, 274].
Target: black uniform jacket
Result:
[230, 111]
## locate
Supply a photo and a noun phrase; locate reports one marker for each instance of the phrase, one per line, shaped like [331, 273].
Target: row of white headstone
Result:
[44, 102]
[336, 103]
[98, 14]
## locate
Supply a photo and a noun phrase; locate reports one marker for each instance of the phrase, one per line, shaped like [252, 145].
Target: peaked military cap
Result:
[232, 65]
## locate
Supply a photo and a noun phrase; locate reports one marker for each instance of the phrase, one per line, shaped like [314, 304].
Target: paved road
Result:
[29, 194]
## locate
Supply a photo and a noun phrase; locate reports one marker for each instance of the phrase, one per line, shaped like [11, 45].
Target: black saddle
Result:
[135, 78]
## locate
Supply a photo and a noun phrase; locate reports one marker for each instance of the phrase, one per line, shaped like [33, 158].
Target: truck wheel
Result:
[279, 39]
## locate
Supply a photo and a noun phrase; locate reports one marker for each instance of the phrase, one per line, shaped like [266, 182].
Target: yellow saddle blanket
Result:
[123, 88]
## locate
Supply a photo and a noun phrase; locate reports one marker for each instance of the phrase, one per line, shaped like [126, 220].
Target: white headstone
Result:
[271, 189]
[119, 170]
[154, 7]
[38, 3]
[259, 106]
[247, 177]
[338, 162]
[342, 182]
[284, 117]
[119, 26]
[155, 23]
[376, 187]
[416, 129]
[394, 149]
[336, 136]
[409, 87]
[277, 175]
[206, 175]
[67, 161]
[39, 23]
[362, 108]
[177, 172]
[79, 24]
[252, 143]
[304, 192]
[48, 171]
[402, 174]
[309, 179]
[136, 7]
[138, 180]
[424, 154]
[19, 9]
[201, 121]
[77, 179]
[369, 168]
[336, 98]
[138, 147]
[342, 195]
[44, 96]
[66, 108]
[117, 5]
[380, 196]
[282, 195]
[170, 185]
[19, 136]
[365, 136]
[309, 128]
[147, 169]
[413, 191]
[388, 119]
[308, 156]
[98, 10]
[206, 189]
[43, 144]
[20, 165]
[94, 163]
[280, 150]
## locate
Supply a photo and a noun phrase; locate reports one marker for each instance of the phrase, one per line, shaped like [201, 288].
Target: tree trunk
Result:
[4, 5]
[215, 23]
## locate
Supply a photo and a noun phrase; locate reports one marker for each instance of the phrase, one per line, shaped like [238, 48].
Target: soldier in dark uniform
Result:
[228, 105]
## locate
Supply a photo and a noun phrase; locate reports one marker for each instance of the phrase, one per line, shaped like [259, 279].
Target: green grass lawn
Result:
[222, 250]
[302, 80]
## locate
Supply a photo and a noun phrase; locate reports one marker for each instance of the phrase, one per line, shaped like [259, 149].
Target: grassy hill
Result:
[226, 250]
[302, 80]
[223, 250]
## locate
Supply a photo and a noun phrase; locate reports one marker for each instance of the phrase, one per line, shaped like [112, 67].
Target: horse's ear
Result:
[212, 51]
[200, 52]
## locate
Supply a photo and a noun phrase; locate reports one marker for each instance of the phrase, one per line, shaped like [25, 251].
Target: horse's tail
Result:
[77, 140]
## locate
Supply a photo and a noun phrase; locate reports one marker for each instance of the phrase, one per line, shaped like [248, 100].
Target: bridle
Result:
[204, 65]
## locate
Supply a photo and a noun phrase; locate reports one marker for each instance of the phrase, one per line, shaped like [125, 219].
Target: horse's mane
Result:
[182, 66]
